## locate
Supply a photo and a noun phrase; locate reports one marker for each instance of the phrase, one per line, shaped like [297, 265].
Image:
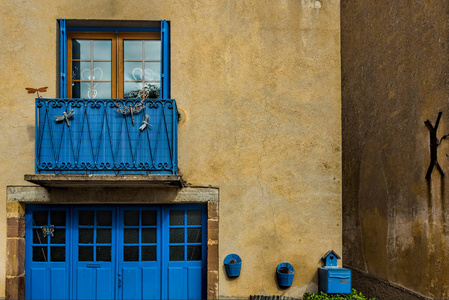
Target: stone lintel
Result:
[79, 180]
[105, 195]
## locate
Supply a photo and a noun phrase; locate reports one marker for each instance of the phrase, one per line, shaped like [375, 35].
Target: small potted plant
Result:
[285, 273]
[233, 264]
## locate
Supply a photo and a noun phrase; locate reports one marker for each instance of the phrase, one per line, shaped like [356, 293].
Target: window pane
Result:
[80, 49]
[39, 253]
[176, 217]
[104, 218]
[152, 71]
[131, 218]
[101, 90]
[176, 253]
[131, 253]
[57, 253]
[82, 90]
[38, 237]
[149, 235]
[133, 71]
[193, 235]
[85, 253]
[86, 217]
[81, 70]
[149, 218]
[103, 236]
[102, 71]
[104, 253]
[102, 49]
[176, 235]
[152, 50]
[149, 253]
[132, 90]
[40, 218]
[132, 49]
[58, 236]
[86, 236]
[131, 236]
[193, 217]
[152, 90]
[76, 90]
[193, 252]
[57, 218]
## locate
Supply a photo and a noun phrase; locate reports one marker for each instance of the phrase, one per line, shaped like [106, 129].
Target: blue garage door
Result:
[115, 252]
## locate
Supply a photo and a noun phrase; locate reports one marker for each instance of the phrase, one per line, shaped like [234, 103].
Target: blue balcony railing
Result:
[97, 136]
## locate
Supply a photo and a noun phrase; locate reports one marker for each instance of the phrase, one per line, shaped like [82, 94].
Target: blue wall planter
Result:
[233, 264]
[285, 273]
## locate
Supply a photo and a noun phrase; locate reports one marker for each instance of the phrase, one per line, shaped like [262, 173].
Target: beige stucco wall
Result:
[259, 85]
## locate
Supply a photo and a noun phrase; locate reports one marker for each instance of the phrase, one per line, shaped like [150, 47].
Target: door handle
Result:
[119, 280]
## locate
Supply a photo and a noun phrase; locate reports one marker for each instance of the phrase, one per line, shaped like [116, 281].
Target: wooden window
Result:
[113, 65]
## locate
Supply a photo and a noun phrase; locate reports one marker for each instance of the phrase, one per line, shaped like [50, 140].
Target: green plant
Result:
[151, 91]
[323, 296]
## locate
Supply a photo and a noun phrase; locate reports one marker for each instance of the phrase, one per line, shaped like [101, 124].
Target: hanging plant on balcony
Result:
[148, 91]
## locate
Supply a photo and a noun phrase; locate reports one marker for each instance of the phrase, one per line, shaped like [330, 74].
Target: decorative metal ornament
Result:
[33, 90]
[131, 110]
[65, 117]
[48, 230]
[434, 143]
[145, 123]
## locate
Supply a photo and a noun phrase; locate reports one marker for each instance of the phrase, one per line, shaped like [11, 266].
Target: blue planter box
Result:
[285, 274]
[233, 264]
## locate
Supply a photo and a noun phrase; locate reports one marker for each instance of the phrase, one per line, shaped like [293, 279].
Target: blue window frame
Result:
[163, 27]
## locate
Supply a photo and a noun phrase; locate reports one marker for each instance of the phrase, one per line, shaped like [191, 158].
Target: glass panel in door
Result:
[186, 252]
[94, 253]
[47, 264]
[139, 254]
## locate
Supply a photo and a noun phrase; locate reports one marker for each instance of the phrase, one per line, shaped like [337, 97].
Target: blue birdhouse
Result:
[233, 264]
[330, 258]
[332, 279]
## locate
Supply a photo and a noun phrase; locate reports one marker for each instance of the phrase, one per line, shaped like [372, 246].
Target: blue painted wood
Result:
[118, 278]
[47, 279]
[63, 58]
[140, 279]
[101, 140]
[115, 29]
[165, 59]
[98, 276]
[179, 284]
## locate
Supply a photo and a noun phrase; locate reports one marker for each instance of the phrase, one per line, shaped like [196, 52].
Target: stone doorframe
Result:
[19, 196]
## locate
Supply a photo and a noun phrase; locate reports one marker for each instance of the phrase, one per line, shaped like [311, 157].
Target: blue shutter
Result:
[62, 59]
[165, 59]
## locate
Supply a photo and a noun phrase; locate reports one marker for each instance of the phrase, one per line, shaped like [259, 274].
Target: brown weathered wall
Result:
[395, 71]
[259, 86]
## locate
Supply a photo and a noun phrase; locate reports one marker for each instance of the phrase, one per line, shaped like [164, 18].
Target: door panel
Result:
[139, 252]
[185, 251]
[115, 252]
[46, 259]
[93, 252]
